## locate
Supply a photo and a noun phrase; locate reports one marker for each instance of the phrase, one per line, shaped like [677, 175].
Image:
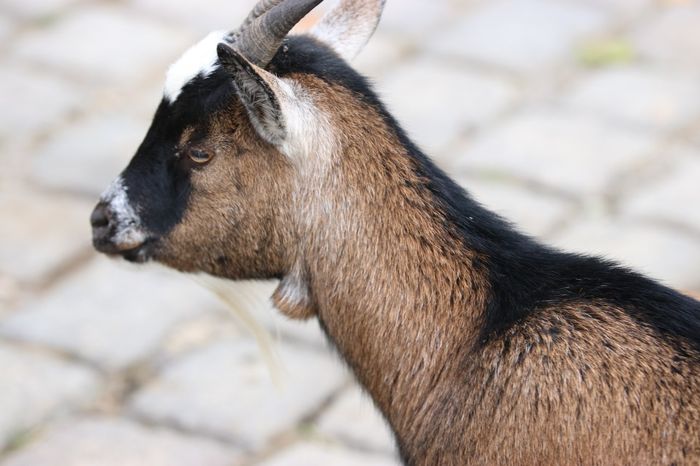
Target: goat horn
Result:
[262, 7]
[261, 39]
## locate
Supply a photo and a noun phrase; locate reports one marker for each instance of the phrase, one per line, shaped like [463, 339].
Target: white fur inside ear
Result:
[267, 118]
[200, 60]
[349, 26]
[291, 121]
[282, 112]
[309, 133]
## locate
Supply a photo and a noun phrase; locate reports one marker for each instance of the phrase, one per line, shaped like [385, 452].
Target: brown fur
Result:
[359, 244]
[601, 391]
[237, 205]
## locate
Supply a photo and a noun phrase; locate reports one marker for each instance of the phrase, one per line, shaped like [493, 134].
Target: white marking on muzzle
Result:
[200, 60]
[128, 231]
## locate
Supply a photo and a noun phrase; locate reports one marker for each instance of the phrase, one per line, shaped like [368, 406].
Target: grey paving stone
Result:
[226, 389]
[659, 252]
[242, 301]
[104, 45]
[36, 386]
[676, 193]
[139, 102]
[319, 454]
[6, 27]
[574, 153]
[36, 9]
[522, 35]
[255, 297]
[531, 212]
[36, 100]
[436, 100]
[654, 97]
[41, 233]
[202, 16]
[199, 331]
[252, 298]
[353, 420]
[623, 9]
[381, 55]
[110, 314]
[11, 293]
[415, 19]
[88, 154]
[671, 35]
[119, 442]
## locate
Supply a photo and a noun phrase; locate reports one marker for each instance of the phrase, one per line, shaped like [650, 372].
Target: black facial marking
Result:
[157, 179]
[154, 182]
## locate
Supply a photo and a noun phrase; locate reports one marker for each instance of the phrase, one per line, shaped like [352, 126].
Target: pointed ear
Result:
[348, 27]
[261, 93]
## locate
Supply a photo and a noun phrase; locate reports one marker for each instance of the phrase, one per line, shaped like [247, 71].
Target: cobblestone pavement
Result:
[577, 119]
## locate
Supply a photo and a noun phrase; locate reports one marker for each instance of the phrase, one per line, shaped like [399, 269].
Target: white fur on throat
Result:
[199, 60]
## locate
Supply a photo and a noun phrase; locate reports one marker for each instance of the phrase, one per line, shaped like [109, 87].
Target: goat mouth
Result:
[137, 254]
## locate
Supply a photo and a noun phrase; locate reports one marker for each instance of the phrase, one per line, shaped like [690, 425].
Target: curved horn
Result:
[261, 39]
[262, 7]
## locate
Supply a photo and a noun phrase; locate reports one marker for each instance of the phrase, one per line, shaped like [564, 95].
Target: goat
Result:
[270, 157]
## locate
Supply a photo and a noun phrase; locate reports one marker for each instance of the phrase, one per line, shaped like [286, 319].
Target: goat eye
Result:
[199, 156]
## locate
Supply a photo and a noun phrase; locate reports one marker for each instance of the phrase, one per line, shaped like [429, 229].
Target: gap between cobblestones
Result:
[66, 269]
[54, 352]
[120, 386]
[300, 432]
[692, 134]
[627, 182]
[676, 226]
[134, 417]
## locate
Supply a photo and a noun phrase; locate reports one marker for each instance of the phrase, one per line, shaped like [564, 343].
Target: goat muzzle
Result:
[107, 239]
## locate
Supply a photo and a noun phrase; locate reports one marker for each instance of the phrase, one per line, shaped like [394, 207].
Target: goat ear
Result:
[260, 91]
[348, 27]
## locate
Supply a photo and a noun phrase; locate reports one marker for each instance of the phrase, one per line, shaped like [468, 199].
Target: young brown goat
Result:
[269, 157]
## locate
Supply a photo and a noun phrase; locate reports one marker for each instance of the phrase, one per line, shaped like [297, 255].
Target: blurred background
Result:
[577, 119]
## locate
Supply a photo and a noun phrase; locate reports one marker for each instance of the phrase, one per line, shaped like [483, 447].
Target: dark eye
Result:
[199, 156]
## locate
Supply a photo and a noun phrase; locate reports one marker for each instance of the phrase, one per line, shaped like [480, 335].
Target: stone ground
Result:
[577, 119]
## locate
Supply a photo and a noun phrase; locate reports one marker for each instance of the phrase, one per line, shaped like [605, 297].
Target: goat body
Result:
[478, 344]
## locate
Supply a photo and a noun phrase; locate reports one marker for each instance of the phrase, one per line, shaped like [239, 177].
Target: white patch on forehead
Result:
[128, 229]
[199, 60]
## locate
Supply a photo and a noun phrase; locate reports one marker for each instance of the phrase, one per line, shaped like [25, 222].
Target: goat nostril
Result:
[100, 216]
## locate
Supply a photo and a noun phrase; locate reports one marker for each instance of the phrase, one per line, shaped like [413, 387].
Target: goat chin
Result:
[240, 298]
